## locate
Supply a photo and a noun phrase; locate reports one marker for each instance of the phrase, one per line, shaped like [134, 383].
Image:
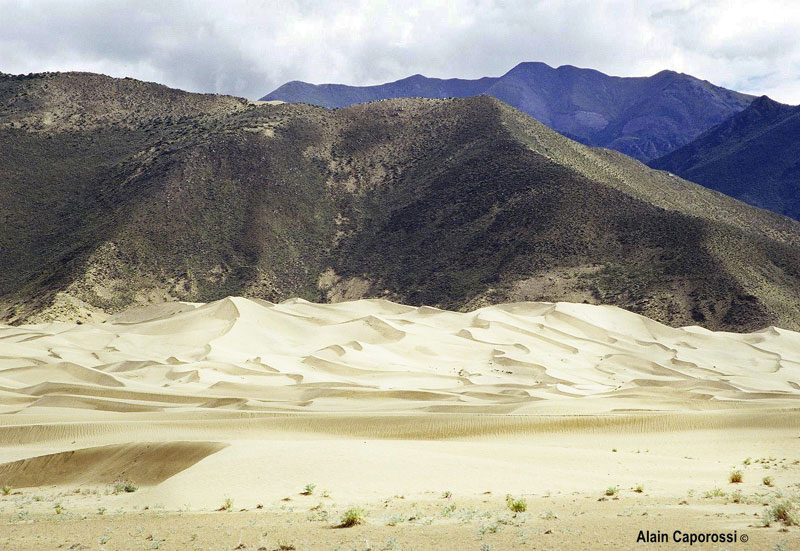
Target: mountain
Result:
[644, 117]
[115, 193]
[753, 156]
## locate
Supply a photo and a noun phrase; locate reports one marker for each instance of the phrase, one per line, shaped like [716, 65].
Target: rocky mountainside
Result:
[644, 117]
[117, 192]
[753, 156]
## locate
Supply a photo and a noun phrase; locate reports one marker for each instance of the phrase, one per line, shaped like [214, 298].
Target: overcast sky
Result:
[248, 48]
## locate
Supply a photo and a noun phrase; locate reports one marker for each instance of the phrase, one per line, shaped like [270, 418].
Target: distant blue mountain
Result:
[644, 117]
[753, 156]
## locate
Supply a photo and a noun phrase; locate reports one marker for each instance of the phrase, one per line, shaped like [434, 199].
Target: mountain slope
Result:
[753, 156]
[456, 203]
[644, 117]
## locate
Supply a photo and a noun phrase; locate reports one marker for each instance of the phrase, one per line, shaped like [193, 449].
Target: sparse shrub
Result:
[58, 508]
[783, 512]
[518, 505]
[767, 481]
[317, 513]
[284, 545]
[639, 488]
[735, 477]
[125, 486]
[308, 490]
[6, 489]
[394, 520]
[101, 510]
[612, 491]
[716, 492]
[352, 517]
[447, 494]
[492, 528]
[746, 461]
[736, 496]
[226, 506]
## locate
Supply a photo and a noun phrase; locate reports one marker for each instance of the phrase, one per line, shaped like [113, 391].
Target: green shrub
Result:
[518, 505]
[352, 517]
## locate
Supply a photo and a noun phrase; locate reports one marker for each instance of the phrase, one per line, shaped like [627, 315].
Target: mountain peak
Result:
[529, 66]
[667, 72]
[766, 102]
[413, 78]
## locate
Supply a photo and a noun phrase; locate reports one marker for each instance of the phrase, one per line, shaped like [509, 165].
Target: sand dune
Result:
[246, 402]
[147, 463]
[250, 355]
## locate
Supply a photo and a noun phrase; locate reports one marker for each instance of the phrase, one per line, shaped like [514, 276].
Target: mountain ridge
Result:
[644, 117]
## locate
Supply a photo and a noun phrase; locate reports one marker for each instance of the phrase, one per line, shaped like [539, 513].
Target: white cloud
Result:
[250, 47]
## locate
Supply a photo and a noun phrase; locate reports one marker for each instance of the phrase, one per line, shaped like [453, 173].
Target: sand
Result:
[391, 408]
[373, 355]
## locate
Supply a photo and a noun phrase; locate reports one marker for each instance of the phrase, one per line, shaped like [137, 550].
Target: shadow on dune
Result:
[147, 464]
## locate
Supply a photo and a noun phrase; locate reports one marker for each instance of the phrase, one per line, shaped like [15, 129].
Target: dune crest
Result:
[375, 355]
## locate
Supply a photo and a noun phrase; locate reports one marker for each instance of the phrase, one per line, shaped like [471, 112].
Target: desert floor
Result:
[245, 425]
[417, 493]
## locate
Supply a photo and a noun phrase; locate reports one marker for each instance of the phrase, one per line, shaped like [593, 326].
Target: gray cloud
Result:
[250, 47]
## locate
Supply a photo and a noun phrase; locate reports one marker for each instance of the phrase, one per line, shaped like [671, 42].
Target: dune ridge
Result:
[373, 355]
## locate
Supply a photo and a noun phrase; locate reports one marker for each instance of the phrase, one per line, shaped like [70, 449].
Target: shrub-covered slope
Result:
[455, 203]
